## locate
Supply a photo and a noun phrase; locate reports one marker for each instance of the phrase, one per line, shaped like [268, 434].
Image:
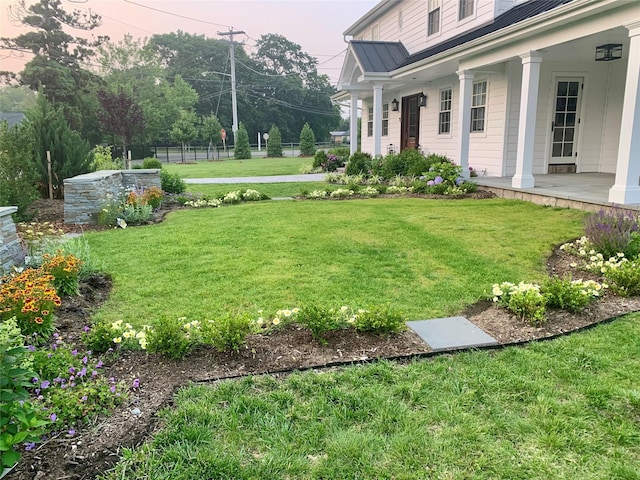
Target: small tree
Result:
[242, 150]
[18, 172]
[307, 141]
[122, 116]
[184, 129]
[274, 145]
[211, 130]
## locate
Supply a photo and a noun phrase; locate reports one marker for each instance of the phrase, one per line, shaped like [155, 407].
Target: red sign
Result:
[223, 134]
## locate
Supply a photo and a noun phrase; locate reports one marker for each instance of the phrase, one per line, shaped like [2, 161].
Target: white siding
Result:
[613, 116]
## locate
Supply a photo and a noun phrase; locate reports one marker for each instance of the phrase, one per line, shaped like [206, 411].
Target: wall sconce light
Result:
[608, 52]
[395, 105]
[422, 100]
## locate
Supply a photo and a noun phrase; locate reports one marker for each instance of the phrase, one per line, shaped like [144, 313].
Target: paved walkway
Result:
[311, 177]
[451, 333]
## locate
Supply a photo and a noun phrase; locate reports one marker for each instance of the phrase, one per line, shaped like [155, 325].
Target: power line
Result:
[177, 15]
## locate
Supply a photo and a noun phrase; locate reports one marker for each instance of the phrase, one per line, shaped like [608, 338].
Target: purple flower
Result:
[84, 398]
[72, 432]
[136, 383]
[72, 370]
[34, 380]
[99, 364]
[63, 386]
[31, 348]
[72, 378]
[29, 446]
[438, 180]
[37, 391]
[84, 359]
[459, 181]
[74, 352]
[82, 372]
[113, 389]
[86, 329]
[471, 169]
[53, 417]
[49, 355]
[112, 380]
[430, 183]
[73, 384]
[94, 374]
[45, 384]
[40, 397]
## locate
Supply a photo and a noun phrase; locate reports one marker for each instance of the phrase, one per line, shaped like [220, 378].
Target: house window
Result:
[434, 17]
[385, 119]
[444, 120]
[466, 9]
[370, 122]
[478, 106]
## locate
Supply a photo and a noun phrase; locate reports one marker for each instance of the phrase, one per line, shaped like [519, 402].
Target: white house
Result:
[512, 88]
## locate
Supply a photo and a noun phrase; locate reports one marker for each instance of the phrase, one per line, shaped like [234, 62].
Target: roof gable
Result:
[376, 56]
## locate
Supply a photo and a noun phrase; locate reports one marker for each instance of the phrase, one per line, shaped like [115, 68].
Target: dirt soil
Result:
[96, 446]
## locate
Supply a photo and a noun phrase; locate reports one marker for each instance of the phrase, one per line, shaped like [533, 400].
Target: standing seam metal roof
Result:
[379, 56]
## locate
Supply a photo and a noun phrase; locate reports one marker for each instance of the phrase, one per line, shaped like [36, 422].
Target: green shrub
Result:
[274, 144]
[319, 320]
[151, 162]
[20, 420]
[103, 159]
[79, 248]
[307, 140]
[169, 338]
[10, 337]
[379, 319]
[570, 295]
[242, 149]
[65, 270]
[226, 333]
[415, 162]
[319, 159]
[393, 164]
[136, 214]
[171, 182]
[99, 338]
[359, 163]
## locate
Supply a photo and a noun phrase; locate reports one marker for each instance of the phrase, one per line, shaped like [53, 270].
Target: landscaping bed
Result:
[95, 448]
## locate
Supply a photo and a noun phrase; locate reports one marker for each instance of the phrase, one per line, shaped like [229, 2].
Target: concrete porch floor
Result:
[585, 191]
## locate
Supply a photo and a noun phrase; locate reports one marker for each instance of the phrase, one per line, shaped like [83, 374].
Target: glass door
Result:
[565, 121]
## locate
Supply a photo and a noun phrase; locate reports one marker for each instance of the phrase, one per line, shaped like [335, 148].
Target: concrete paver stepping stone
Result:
[451, 333]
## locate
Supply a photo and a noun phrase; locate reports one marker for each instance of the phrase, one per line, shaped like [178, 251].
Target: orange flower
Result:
[38, 320]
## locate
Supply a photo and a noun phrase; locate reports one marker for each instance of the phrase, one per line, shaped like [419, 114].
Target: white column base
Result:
[523, 181]
[624, 194]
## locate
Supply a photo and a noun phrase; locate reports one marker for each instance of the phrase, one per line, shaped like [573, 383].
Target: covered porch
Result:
[584, 191]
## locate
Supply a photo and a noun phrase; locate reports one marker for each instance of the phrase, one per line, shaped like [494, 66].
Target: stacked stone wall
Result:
[10, 249]
[86, 195]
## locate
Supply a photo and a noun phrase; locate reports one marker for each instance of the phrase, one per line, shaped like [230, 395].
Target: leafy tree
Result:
[122, 116]
[14, 98]
[184, 129]
[274, 144]
[242, 149]
[58, 56]
[69, 152]
[307, 141]
[18, 172]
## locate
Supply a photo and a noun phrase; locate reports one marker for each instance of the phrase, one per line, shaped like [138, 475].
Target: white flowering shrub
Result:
[369, 192]
[317, 194]
[571, 295]
[232, 197]
[342, 193]
[398, 190]
[524, 300]
[203, 202]
[251, 196]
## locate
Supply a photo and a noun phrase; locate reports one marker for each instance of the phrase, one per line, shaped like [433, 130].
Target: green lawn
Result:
[255, 167]
[426, 258]
[271, 189]
[565, 409]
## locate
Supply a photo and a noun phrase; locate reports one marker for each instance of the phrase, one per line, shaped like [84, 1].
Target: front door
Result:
[410, 126]
[565, 123]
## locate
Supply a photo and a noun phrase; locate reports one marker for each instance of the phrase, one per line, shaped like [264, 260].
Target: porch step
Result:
[562, 168]
[451, 333]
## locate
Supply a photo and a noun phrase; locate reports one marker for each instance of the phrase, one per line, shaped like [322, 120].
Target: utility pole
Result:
[234, 104]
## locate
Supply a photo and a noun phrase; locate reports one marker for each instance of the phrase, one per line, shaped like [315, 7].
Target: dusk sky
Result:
[315, 25]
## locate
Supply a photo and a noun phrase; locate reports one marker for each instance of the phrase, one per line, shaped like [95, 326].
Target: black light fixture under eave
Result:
[608, 52]
[422, 100]
[395, 105]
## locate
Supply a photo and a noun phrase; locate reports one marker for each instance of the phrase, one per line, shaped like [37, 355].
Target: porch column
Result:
[353, 124]
[523, 177]
[464, 114]
[625, 189]
[377, 119]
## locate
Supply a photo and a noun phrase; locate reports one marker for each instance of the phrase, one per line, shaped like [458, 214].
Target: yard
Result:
[566, 408]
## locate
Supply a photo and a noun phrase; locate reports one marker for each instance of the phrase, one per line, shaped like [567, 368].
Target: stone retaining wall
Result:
[86, 195]
[10, 249]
